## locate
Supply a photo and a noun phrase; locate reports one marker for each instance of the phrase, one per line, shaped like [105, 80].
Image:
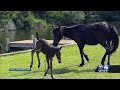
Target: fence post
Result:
[34, 40]
[7, 45]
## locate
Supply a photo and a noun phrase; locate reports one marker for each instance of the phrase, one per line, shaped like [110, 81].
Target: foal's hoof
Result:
[52, 77]
[88, 60]
[38, 66]
[81, 65]
[30, 66]
[44, 74]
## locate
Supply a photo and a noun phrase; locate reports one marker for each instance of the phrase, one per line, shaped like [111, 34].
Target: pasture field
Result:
[68, 69]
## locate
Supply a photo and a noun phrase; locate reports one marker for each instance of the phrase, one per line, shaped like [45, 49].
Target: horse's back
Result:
[95, 32]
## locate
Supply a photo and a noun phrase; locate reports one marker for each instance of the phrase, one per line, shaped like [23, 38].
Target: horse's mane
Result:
[74, 25]
[92, 23]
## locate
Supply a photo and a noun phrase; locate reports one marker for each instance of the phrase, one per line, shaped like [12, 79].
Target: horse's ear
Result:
[61, 47]
[59, 26]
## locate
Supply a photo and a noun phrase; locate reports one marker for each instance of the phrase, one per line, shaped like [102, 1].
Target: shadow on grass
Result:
[68, 70]
[58, 71]
[115, 69]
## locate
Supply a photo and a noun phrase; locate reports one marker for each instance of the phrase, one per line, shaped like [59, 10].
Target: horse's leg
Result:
[81, 46]
[103, 59]
[108, 42]
[108, 63]
[51, 67]
[32, 53]
[86, 56]
[37, 52]
[107, 47]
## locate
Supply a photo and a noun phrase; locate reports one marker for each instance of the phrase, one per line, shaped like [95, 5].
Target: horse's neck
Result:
[69, 34]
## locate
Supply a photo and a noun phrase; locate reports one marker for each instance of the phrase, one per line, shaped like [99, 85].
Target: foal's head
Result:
[58, 53]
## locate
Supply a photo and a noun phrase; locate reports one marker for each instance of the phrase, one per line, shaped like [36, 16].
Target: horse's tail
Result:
[37, 36]
[115, 38]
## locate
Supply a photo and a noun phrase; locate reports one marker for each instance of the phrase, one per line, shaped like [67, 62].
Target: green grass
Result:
[68, 69]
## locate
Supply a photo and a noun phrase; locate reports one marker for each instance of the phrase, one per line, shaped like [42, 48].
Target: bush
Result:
[36, 23]
[65, 17]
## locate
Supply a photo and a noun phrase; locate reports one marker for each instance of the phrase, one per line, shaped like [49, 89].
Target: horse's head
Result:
[57, 33]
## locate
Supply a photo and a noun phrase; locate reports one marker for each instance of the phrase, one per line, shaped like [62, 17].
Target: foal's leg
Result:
[37, 52]
[32, 53]
[81, 46]
[51, 67]
[48, 65]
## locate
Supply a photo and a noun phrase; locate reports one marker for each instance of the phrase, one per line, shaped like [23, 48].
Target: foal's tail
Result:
[1, 47]
[37, 36]
[115, 38]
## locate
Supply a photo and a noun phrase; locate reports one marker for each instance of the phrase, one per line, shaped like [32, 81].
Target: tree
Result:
[5, 16]
[65, 17]
[109, 15]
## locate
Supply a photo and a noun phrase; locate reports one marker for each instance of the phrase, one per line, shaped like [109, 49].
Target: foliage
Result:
[65, 17]
[109, 15]
[39, 23]
[5, 16]
[27, 20]
[31, 19]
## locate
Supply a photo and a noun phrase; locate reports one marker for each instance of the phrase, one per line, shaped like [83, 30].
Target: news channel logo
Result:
[103, 68]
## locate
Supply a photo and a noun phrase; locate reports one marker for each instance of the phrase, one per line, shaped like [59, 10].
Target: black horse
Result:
[91, 34]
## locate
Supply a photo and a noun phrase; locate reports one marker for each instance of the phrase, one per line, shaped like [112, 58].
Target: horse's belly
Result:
[95, 43]
[91, 41]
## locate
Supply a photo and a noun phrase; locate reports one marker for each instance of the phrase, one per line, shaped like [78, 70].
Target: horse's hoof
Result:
[81, 65]
[102, 64]
[38, 66]
[30, 66]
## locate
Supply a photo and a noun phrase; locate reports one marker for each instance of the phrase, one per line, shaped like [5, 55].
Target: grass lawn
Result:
[68, 69]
